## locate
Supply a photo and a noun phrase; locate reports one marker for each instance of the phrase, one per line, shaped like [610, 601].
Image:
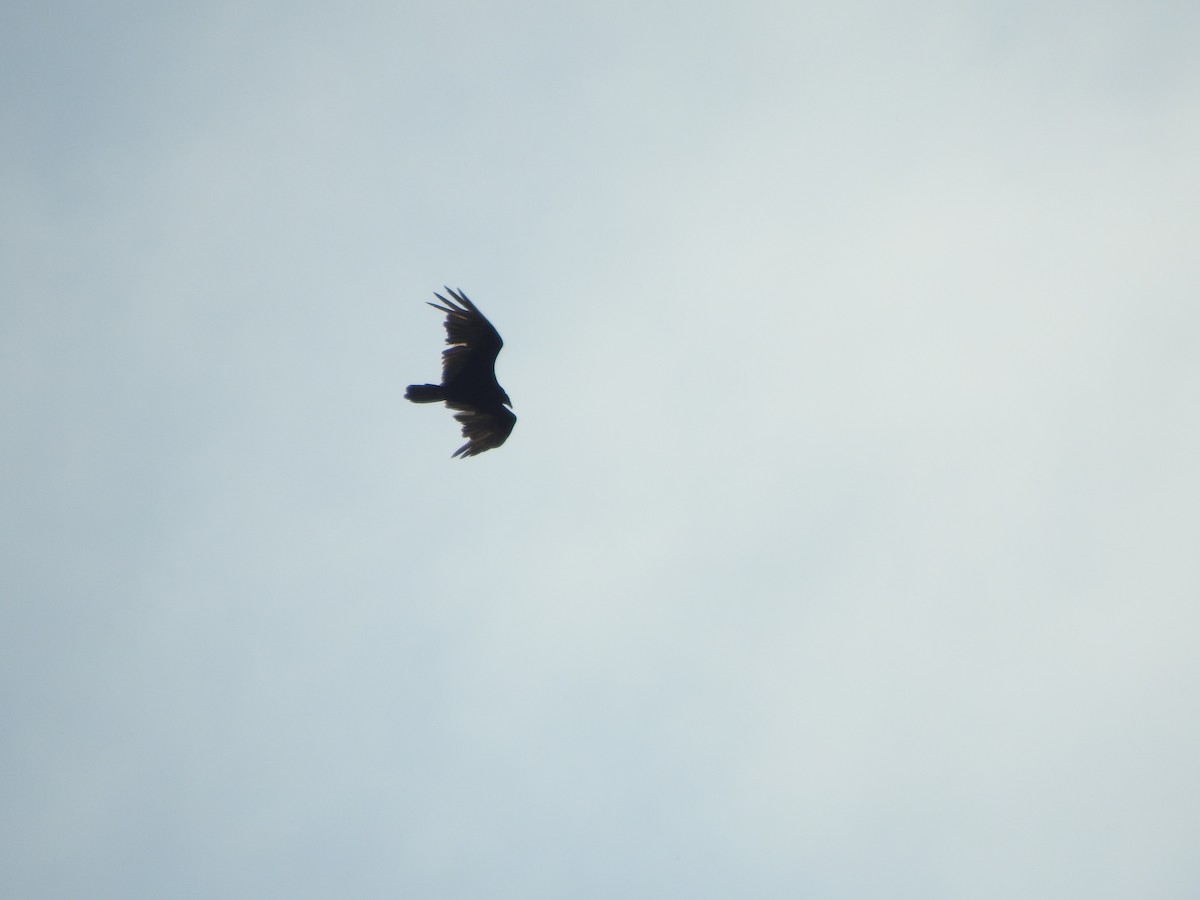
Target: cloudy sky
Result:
[845, 546]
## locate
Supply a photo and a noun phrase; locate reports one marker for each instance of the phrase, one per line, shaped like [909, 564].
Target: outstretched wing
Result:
[484, 429]
[474, 343]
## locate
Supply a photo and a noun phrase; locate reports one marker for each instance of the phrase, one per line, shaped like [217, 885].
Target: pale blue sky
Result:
[846, 543]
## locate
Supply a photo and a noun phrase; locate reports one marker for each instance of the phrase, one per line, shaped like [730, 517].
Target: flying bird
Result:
[469, 383]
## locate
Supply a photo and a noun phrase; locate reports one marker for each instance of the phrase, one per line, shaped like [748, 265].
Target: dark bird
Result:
[469, 383]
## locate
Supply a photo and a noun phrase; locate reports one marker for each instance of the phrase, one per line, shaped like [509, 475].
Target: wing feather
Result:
[473, 341]
[483, 429]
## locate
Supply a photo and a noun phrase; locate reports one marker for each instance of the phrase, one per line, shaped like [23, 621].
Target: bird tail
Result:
[424, 393]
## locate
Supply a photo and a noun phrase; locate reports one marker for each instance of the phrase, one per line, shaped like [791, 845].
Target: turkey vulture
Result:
[469, 383]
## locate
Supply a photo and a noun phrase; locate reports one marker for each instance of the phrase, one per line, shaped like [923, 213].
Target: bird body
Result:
[469, 384]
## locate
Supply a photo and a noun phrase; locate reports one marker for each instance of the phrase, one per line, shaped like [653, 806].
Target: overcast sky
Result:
[846, 544]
